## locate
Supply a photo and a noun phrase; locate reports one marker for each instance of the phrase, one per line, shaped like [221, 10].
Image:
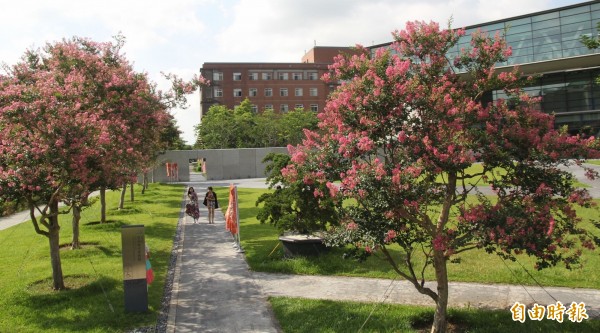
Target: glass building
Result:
[548, 44]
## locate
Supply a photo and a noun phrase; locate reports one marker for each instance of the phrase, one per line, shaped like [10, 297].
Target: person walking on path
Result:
[211, 202]
[191, 208]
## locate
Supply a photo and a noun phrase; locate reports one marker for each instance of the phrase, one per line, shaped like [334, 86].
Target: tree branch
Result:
[419, 286]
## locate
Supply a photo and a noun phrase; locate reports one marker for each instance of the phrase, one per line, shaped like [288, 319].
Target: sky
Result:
[178, 36]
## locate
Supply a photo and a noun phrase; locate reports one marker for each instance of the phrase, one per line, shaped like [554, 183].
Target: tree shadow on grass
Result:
[267, 255]
[89, 303]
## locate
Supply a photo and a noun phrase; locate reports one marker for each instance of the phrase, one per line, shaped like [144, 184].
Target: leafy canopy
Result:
[241, 128]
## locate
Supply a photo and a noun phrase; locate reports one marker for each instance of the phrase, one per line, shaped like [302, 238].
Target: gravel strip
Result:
[161, 323]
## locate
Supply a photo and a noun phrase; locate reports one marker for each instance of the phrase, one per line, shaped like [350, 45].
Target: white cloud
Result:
[180, 35]
[281, 30]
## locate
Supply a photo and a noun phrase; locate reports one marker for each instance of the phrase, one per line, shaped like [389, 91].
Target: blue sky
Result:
[178, 36]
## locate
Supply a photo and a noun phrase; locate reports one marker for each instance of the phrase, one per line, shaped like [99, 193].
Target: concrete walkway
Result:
[213, 290]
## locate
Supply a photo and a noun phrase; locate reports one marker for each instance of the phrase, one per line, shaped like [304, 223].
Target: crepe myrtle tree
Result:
[400, 134]
[72, 115]
[48, 136]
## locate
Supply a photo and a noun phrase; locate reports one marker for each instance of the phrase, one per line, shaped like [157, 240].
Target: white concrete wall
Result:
[220, 163]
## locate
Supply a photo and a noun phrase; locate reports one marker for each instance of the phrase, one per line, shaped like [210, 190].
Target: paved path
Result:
[213, 290]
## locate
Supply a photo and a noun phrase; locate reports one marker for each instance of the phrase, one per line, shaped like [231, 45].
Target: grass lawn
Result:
[477, 168]
[297, 315]
[263, 253]
[596, 162]
[94, 300]
[93, 275]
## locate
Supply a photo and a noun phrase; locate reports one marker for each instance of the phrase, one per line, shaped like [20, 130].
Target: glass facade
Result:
[542, 37]
[569, 92]
[572, 96]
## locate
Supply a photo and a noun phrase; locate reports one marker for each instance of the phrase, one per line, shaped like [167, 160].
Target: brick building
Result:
[278, 86]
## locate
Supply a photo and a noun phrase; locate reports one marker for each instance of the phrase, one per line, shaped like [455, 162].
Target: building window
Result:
[298, 92]
[218, 92]
[218, 76]
[268, 106]
[283, 76]
[314, 107]
[297, 76]
[267, 76]
[253, 92]
[284, 108]
[254, 108]
[299, 106]
[313, 76]
[237, 92]
[268, 92]
[237, 76]
[253, 76]
[283, 92]
[313, 92]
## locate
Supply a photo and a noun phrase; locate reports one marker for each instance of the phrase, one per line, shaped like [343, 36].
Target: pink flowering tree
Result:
[400, 135]
[74, 117]
[49, 135]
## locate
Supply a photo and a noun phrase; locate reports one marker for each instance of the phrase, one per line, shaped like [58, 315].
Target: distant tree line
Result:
[242, 128]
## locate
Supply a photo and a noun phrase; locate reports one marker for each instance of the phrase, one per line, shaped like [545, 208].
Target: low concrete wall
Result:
[220, 163]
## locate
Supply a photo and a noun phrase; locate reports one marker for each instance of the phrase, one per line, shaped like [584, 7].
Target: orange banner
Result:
[231, 218]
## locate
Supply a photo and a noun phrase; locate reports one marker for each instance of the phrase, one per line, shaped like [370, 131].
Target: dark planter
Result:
[302, 245]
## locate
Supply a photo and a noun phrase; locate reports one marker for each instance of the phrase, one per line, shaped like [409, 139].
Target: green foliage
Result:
[241, 128]
[294, 206]
[170, 137]
[8, 207]
[217, 129]
[592, 43]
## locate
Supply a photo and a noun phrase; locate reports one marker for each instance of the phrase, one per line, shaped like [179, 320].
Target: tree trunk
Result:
[122, 201]
[131, 194]
[144, 182]
[58, 282]
[441, 306]
[76, 218]
[103, 204]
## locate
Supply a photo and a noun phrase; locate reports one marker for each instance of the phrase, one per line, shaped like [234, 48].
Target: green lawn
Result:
[94, 300]
[93, 275]
[263, 253]
[477, 168]
[297, 315]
